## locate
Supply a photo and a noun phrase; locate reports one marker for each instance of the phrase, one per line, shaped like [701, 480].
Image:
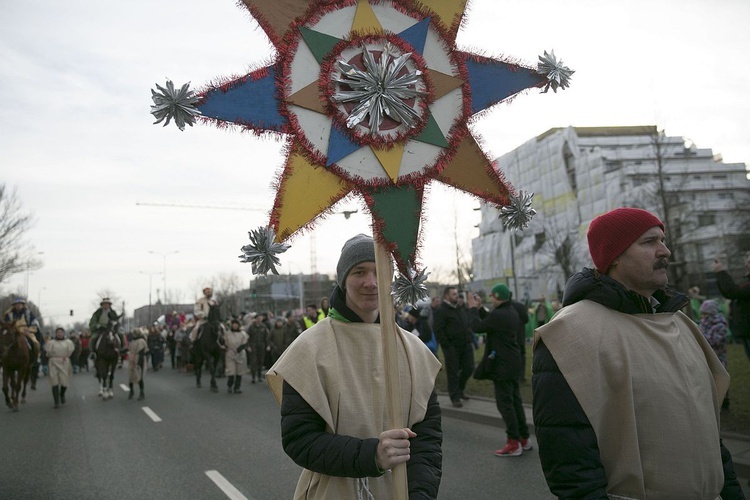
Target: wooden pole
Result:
[388, 328]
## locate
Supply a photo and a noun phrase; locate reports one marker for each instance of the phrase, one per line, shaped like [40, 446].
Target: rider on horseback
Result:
[26, 322]
[200, 311]
[101, 321]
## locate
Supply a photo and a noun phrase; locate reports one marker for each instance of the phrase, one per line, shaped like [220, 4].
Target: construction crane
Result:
[313, 242]
[186, 205]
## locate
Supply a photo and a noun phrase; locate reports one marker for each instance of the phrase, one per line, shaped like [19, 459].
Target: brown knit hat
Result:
[612, 233]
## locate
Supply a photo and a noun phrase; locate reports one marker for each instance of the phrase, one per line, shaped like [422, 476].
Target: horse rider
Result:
[58, 351]
[100, 320]
[200, 311]
[22, 317]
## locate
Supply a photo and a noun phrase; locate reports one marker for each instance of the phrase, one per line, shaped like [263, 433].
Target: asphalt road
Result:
[185, 442]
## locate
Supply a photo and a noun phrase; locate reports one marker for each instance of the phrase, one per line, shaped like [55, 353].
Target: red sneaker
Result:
[512, 449]
[526, 444]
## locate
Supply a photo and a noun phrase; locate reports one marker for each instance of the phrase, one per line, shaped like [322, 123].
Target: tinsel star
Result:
[375, 100]
[262, 251]
[558, 75]
[178, 104]
[518, 213]
[378, 90]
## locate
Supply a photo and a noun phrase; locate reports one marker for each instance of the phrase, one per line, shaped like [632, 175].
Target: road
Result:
[185, 442]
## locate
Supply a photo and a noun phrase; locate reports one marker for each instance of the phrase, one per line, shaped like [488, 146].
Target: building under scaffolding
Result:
[579, 173]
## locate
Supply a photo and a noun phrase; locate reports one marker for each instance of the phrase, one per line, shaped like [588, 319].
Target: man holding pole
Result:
[332, 386]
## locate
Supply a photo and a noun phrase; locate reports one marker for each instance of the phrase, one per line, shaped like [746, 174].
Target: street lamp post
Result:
[150, 275]
[164, 256]
[39, 302]
[28, 274]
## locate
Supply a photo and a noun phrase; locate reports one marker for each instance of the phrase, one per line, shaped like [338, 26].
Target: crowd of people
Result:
[616, 369]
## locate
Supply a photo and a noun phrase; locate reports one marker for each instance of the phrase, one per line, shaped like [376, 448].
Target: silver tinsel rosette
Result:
[262, 251]
[378, 90]
[410, 288]
[558, 75]
[519, 213]
[170, 103]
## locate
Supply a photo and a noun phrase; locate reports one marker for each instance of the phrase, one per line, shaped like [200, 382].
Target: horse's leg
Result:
[112, 370]
[6, 380]
[24, 380]
[15, 388]
[99, 377]
[211, 365]
[197, 369]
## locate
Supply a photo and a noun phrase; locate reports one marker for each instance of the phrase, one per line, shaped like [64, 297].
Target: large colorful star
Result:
[375, 99]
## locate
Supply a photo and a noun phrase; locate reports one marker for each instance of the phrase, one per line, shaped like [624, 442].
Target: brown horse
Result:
[16, 363]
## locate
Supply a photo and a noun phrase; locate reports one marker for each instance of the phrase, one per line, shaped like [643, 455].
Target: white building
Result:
[579, 173]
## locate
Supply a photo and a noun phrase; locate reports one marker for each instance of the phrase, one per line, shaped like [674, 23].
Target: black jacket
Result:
[523, 314]
[451, 326]
[559, 420]
[501, 326]
[306, 441]
[739, 316]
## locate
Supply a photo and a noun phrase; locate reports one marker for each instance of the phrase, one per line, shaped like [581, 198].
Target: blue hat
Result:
[19, 300]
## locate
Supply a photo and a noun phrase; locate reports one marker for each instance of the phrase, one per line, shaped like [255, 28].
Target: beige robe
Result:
[235, 363]
[58, 352]
[651, 388]
[338, 369]
[135, 373]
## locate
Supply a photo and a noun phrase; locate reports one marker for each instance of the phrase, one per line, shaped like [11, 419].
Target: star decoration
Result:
[375, 99]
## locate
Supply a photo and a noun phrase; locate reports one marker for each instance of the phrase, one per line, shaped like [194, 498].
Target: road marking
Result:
[125, 387]
[225, 486]
[151, 413]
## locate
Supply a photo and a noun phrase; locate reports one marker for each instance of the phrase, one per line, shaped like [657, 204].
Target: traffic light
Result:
[255, 293]
[71, 312]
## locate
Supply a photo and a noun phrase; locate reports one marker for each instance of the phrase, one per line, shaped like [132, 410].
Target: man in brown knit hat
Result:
[626, 389]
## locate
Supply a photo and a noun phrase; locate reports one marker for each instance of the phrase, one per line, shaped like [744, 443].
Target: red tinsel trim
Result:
[378, 225]
[294, 148]
[454, 137]
[224, 84]
[327, 88]
[513, 65]
[287, 45]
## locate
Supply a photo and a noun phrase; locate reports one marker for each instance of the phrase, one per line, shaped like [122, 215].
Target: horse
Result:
[107, 348]
[16, 362]
[207, 348]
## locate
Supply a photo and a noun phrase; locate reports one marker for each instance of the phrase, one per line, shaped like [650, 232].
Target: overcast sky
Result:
[77, 140]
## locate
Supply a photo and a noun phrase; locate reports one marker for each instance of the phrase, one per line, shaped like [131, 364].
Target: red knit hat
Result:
[612, 233]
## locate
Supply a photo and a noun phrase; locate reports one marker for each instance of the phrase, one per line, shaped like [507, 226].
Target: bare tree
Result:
[560, 243]
[107, 293]
[463, 272]
[15, 255]
[227, 293]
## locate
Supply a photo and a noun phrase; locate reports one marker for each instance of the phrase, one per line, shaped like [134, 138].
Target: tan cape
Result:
[651, 387]
[338, 369]
[58, 355]
[135, 372]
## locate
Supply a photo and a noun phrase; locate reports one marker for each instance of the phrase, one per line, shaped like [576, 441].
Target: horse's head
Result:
[214, 314]
[10, 332]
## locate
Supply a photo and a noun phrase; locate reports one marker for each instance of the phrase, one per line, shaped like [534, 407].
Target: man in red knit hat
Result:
[626, 390]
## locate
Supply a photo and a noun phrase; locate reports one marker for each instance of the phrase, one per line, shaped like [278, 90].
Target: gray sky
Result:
[77, 138]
